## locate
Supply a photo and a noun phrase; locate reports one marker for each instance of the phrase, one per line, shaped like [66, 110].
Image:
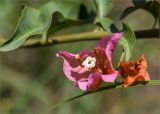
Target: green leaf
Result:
[9, 13]
[104, 7]
[127, 41]
[37, 21]
[106, 24]
[138, 2]
[127, 11]
[6, 9]
[151, 6]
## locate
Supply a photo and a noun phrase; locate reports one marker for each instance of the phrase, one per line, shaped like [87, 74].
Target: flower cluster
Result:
[133, 72]
[89, 68]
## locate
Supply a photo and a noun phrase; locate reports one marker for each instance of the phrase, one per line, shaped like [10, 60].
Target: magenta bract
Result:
[89, 68]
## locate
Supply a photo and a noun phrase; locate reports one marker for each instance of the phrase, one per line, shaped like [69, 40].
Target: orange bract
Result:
[134, 71]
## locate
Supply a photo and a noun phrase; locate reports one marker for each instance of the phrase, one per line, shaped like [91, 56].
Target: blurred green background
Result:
[32, 80]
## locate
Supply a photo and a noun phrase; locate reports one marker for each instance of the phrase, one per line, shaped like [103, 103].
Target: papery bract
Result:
[88, 68]
[132, 72]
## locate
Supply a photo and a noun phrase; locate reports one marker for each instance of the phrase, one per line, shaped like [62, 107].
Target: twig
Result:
[154, 33]
[66, 38]
[95, 35]
[112, 86]
[87, 36]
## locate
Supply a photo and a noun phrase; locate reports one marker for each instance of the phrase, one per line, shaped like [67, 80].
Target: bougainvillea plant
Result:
[61, 21]
[89, 68]
[132, 72]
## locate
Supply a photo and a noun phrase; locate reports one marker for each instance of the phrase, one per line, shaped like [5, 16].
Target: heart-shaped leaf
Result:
[104, 7]
[9, 14]
[127, 11]
[106, 24]
[151, 6]
[138, 2]
[127, 41]
[37, 21]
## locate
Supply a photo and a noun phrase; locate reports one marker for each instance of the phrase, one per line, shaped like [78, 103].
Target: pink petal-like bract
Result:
[88, 68]
[110, 77]
[107, 45]
[72, 67]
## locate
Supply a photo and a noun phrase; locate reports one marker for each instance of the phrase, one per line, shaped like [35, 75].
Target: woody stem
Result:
[93, 35]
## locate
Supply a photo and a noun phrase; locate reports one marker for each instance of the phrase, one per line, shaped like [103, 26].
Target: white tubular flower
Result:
[89, 62]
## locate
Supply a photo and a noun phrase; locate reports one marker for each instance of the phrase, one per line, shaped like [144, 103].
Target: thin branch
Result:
[95, 35]
[112, 86]
[154, 33]
[115, 86]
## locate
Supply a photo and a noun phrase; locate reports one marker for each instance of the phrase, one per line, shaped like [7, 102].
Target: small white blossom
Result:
[89, 62]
